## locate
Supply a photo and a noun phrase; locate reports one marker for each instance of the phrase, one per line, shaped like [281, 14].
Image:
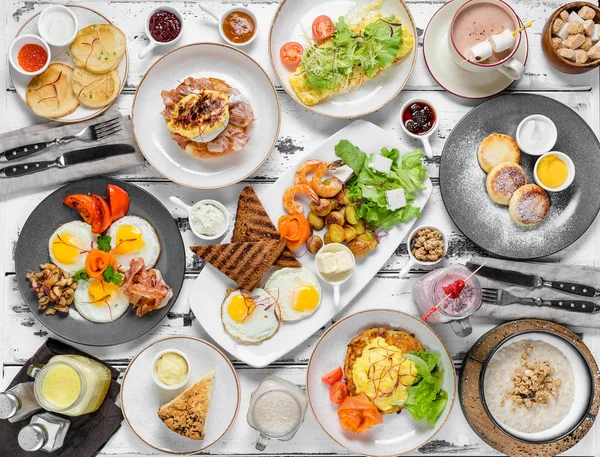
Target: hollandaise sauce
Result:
[72, 385]
[384, 375]
[171, 369]
[552, 171]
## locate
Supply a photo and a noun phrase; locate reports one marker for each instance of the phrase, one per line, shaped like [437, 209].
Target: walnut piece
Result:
[428, 245]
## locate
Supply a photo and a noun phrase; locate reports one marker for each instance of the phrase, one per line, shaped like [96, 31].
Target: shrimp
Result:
[289, 197]
[306, 167]
[333, 186]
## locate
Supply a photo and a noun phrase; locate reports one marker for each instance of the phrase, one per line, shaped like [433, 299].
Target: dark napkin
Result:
[87, 434]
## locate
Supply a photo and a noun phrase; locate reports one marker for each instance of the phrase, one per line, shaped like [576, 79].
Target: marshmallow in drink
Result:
[480, 52]
[502, 41]
[563, 33]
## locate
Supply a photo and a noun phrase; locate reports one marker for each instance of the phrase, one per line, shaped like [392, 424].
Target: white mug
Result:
[510, 66]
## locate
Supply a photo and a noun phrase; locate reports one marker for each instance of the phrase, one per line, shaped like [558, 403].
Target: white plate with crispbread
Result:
[211, 286]
[85, 17]
[141, 397]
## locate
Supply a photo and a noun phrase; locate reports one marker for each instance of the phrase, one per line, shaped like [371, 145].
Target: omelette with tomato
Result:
[345, 55]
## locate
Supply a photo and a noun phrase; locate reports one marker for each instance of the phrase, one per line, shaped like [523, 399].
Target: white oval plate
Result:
[399, 433]
[141, 398]
[205, 60]
[294, 16]
[211, 285]
[85, 16]
[450, 76]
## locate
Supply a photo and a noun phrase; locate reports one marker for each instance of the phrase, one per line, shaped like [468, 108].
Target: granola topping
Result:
[428, 245]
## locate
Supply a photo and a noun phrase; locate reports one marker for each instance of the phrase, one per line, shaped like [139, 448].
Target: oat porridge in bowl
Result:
[530, 387]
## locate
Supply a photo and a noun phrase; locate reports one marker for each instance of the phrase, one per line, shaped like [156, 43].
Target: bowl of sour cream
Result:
[208, 219]
[58, 25]
[536, 135]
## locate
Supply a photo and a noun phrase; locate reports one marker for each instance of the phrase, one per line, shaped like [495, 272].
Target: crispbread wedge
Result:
[50, 94]
[99, 48]
[252, 223]
[93, 90]
[244, 262]
[186, 413]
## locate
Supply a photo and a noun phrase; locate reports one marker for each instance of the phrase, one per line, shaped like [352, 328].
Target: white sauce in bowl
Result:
[56, 26]
[208, 220]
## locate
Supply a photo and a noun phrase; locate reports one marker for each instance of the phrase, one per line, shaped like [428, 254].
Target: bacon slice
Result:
[241, 114]
[145, 289]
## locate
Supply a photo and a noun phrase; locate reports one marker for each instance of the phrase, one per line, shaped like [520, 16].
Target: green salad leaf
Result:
[426, 398]
[367, 188]
[331, 64]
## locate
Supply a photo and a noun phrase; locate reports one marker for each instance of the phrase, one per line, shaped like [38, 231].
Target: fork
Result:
[501, 297]
[89, 134]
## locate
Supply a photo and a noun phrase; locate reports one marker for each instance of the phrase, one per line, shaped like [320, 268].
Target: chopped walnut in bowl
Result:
[428, 245]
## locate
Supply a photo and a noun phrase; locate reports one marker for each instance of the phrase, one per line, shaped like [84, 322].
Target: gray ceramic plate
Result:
[488, 225]
[32, 250]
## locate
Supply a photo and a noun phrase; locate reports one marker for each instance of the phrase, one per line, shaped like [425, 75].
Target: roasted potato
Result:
[360, 227]
[327, 238]
[316, 222]
[350, 233]
[351, 216]
[322, 208]
[314, 243]
[342, 197]
[335, 217]
[337, 233]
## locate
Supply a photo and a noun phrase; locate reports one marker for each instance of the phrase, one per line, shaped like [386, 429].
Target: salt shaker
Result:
[45, 432]
[18, 403]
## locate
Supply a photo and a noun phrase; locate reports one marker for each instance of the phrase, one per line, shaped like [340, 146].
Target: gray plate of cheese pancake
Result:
[32, 250]
[463, 189]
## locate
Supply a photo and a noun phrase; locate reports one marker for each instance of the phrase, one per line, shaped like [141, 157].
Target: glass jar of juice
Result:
[72, 385]
[428, 292]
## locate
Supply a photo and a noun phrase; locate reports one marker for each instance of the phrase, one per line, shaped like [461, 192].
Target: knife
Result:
[68, 159]
[532, 281]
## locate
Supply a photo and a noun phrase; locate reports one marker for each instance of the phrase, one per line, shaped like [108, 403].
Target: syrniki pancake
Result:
[99, 48]
[529, 205]
[50, 94]
[96, 90]
[503, 180]
[497, 148]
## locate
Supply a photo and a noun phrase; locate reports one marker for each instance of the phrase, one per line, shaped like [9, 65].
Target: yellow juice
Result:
[61, 386]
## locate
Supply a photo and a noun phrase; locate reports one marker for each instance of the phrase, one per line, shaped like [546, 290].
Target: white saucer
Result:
[450, 76]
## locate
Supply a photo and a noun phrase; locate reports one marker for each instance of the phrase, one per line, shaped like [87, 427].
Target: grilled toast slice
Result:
[186, 413]
[246, 262]
[252, 223]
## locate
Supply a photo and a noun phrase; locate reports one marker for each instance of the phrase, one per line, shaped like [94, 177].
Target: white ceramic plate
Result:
[208, 291]
[85, 16]
[294, 16]
[450, 76]
[399, 433]
[205, 60]
[141, 398]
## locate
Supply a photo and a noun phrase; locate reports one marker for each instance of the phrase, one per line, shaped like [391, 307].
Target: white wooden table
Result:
[301, 131]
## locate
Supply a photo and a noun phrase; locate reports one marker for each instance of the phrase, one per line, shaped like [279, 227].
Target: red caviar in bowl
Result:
[32, 57]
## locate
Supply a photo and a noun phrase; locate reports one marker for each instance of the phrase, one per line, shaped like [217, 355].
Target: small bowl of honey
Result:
[237, 25]
[554, 171]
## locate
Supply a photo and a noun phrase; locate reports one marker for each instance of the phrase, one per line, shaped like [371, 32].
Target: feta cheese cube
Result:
[343, 173]
[396, 199]
[381, 164]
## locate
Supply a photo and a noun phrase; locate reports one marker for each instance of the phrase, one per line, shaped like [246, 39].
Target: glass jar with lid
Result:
[72, 385]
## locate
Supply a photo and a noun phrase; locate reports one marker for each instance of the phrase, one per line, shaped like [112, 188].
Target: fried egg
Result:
[99, 301]
[391, 390]
[250, 317]
[131, 237]
[200, 117]
[297, 291]
[69, 244]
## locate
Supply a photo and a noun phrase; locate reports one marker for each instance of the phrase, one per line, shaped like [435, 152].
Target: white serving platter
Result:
[293, 21]
[85, 16]
[210, 287]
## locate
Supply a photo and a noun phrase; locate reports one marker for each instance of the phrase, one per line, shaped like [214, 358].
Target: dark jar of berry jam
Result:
[418, 118]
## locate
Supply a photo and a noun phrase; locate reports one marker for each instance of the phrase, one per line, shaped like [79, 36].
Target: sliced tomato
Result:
[118, 200]
[103, 218]
[338, 392]
[291, 53]
[323, 28]
[333, 376]
[84, 204]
